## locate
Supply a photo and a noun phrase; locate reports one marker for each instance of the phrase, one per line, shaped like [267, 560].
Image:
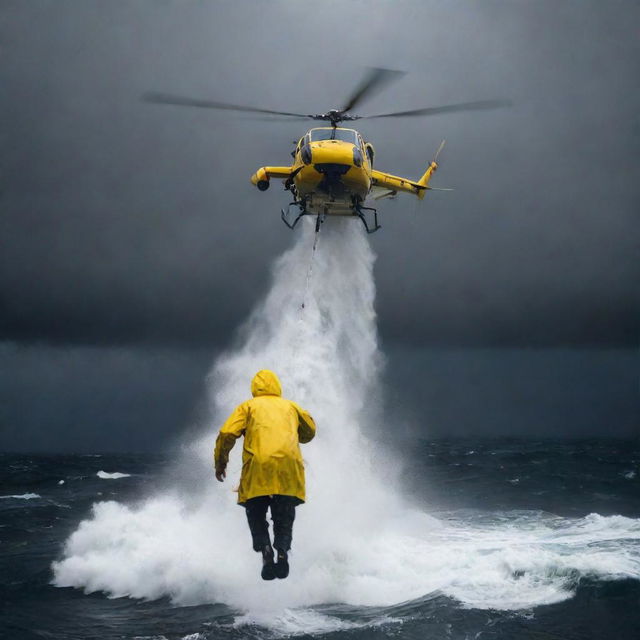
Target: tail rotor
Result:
[440, 148]
[434, 166]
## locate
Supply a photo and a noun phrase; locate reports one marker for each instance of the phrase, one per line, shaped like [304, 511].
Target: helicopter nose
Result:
[333, 170]
[336, 152]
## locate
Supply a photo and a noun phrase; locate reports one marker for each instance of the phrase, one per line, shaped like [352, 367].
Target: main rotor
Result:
[334, 116]
[374, 80]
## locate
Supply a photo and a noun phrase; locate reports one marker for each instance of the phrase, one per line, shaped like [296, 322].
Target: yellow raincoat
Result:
[272, 428]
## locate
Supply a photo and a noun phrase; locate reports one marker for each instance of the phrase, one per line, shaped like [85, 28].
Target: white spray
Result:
[355, 541]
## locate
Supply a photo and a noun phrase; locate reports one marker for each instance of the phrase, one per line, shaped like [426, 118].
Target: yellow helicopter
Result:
[332, 172]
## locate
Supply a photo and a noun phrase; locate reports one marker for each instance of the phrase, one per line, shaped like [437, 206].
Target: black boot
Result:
[268, 567]
[282, 566]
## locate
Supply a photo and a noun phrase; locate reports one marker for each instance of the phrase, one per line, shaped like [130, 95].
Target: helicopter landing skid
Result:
[358, 211]
[320, 217]
[285, 214]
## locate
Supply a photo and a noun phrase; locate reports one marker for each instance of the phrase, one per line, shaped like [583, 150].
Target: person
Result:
[272, 469]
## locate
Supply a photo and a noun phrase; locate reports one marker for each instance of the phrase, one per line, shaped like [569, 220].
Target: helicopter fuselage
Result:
[338, 176]
[332, 174]
[331, 171]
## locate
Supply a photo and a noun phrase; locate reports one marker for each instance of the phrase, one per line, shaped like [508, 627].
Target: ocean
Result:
[535, 539]
[415, 539]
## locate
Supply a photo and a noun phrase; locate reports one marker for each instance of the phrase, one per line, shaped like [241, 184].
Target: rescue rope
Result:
[301, 310]
[310, 268]
[299, 340]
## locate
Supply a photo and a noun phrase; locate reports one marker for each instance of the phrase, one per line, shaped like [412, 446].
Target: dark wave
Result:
[460, 480]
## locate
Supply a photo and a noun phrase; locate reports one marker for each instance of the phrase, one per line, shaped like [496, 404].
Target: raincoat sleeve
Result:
[306, 425]
[231, 430]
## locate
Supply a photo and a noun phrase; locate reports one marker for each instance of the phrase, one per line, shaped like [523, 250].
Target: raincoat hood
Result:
[265, 383]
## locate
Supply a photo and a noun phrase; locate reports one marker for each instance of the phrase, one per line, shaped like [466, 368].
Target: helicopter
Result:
[332, 173]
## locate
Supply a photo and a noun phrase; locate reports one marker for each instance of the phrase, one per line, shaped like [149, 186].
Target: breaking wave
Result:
[116, 475]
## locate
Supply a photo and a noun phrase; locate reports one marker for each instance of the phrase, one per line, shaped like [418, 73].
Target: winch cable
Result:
[301, 310]
[310, 268]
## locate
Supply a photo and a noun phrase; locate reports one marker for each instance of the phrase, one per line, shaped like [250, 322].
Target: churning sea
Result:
[511, 539]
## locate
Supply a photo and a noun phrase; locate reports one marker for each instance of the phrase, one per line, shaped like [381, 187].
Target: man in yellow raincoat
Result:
[272, 468]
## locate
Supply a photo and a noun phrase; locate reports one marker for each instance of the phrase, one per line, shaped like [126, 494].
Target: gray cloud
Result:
[87, 400]
[540, 393]
[84, 400]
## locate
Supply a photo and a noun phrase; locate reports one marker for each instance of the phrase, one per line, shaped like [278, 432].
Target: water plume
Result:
[355, 540]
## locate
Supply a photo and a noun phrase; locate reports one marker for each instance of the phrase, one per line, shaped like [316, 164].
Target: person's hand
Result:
[221, 474]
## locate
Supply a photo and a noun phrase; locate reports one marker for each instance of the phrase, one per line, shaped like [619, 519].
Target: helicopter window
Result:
[347, 135]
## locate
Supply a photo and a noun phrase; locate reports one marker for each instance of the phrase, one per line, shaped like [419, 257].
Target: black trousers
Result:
[283, 513]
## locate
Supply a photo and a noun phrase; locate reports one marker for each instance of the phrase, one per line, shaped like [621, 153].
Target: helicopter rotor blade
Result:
[448, 108]
[440, 148]
[180, 101]
[372, 82]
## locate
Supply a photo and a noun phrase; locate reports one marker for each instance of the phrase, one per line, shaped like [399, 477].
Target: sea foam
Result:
[116, 475]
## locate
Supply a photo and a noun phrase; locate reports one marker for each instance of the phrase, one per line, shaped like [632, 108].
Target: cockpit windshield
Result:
[329, 133]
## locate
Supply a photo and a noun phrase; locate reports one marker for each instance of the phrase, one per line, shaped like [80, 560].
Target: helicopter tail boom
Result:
[396, 183]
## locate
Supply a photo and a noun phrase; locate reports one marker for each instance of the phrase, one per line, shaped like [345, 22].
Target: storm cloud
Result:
[128, 227]
[126, 222]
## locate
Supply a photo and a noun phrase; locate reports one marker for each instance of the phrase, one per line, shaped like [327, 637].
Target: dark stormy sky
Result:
[133, 244]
